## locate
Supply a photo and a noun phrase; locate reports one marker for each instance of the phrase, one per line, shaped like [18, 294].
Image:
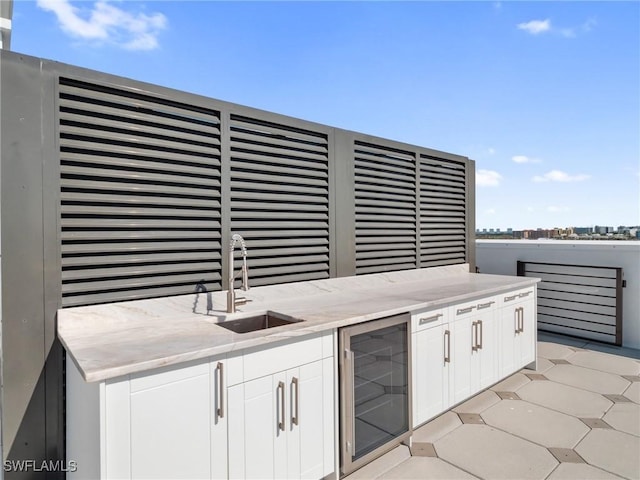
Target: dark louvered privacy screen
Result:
[578, 300]
[140, 194]
[153, 181]
[280, 199]
[385, 197]
[443, 218]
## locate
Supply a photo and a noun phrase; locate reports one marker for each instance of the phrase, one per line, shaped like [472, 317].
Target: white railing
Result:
[501, 257]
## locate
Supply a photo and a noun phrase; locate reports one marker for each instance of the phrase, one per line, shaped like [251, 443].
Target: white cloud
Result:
[488, 178]
[490, 211]
[556, 209]
[106, 23]
[525, 159]
[535, 27]
[491, 151]
[531, 209]
[560, 176]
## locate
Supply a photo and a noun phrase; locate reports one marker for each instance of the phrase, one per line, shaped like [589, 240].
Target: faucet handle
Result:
[242, 300]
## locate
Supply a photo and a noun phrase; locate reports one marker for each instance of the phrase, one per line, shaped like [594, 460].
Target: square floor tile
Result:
[423, 449]
[508, 395]
[559, 361]
[472, 418]
[616, 398]
[536, 376]
[566, 455]
[595, 423]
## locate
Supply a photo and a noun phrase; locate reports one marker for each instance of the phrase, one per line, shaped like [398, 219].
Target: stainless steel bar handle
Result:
[481, 329]
[460, 311]
[508, 299]
[524, 294]
[296, 400]
[521, 319]
[220, 410]
[280, 418]
[516, 317]
[352, 381]
[447, 355]
[485, 305]
[429, 319]
[474, 337]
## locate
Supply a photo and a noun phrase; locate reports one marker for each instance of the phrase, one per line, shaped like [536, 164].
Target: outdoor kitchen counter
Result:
[110, 340]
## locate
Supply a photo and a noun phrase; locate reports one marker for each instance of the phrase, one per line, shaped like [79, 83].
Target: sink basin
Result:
[257, 322]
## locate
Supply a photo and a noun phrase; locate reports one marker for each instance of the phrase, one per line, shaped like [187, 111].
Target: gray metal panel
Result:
[443, 215]
[385, 207]
[579, 300]
[293, 164]
[23, 315]
[140, 176]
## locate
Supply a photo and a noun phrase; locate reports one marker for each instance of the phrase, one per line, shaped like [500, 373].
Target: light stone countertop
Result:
[110, 340]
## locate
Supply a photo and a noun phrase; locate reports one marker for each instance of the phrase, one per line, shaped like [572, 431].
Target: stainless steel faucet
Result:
[232, 302]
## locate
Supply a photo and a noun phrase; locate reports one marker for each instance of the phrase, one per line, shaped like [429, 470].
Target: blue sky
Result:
[545, 96]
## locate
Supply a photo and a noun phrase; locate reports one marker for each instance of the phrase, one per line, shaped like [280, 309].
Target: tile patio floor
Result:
[576, 417]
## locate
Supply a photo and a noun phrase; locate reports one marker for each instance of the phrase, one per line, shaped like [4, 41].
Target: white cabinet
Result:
[517, 330]
[431, 365]
[165, 423]
[475, 348]
[281, 425]
[264, 412]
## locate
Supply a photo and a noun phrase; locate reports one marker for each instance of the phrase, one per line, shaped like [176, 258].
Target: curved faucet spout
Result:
[231, 296]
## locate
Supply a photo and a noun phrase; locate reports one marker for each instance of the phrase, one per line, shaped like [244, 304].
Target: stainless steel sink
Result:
[258, 322]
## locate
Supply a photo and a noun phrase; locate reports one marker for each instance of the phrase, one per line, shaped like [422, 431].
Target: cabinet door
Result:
[255, 433]
[430, 373]
[485, 361]
[528, 333]
[171, 424]
[462, 341]
[279, 424]
[306, 421]
[509, 340]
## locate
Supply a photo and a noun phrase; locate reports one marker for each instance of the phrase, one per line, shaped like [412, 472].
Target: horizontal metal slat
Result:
[248, 138]
[271, 279]
[285, 131]
[76, 108]
[257, 207]
[440, 263]
[126, 271]
[259, 250]
[255, 176]
[278, 170]
[577, 271]
[600, 337]
[369, 162]
[574, 280]
[211, 221]
[88, 125]
[576, 315]
[126, 283]
[80, 183]
[85, 252]
[98, 235]
[400, 212]
[576, 325]
[390, 256]
[93, 297]
[133, 175]
[578, 306]
[267, 215]
[576, 297]
[278, 200]
[98, 94]
[380, 247]
[380, 150]
[128, 258]
[79, 151]
[431, 256]
[97, 211]
[142, 199]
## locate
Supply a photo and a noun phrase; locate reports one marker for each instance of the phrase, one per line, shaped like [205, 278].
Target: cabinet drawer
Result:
[273, 358]
[428, 318]
[467, 309]
[515, 296]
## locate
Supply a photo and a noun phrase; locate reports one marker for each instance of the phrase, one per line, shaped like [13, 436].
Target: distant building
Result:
[583, 230]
